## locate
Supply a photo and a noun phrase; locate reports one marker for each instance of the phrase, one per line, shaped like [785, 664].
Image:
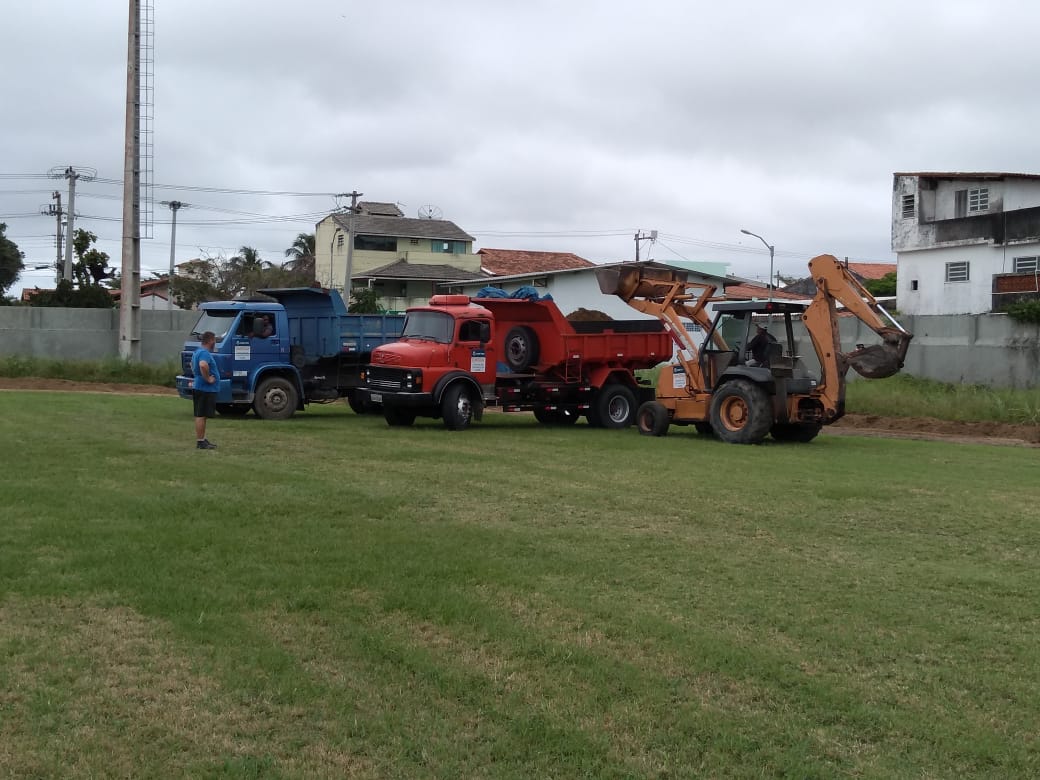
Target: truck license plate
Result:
[376, 398]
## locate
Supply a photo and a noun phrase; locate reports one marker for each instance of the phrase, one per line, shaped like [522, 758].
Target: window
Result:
[1025, 265]
[413, 241]
[375, 243]
[958, 271]
[978, 200]
[448, 247]
[913, 285]
[339, 241]
[908, 206]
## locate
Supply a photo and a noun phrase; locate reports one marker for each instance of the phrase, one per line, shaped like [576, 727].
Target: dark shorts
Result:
[205, 403]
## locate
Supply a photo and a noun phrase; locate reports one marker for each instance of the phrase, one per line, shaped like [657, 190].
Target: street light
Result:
[770, 248]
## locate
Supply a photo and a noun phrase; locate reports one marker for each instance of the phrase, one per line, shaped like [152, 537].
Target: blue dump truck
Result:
[291, 347]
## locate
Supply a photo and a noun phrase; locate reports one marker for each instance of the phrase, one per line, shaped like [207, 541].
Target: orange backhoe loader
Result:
[719, 387]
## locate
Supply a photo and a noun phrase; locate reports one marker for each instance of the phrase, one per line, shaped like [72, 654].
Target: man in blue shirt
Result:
[204, 389]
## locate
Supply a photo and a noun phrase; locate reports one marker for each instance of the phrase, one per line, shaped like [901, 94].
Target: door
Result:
[257, 342]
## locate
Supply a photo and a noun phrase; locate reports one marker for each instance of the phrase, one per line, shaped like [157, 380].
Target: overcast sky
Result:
[564, 126]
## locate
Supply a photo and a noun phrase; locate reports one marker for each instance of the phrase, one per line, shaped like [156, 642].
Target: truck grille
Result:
[385, 378]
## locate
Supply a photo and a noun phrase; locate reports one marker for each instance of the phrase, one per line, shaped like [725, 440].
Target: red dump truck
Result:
[457, 356]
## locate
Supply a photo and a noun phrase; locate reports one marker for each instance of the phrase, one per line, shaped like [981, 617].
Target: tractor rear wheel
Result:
[741, 412]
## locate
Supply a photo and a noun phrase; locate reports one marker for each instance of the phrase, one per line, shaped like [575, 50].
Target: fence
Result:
[985, 349]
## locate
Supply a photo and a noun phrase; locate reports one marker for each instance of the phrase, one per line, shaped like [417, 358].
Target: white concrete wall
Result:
[987, 349]
[937, 296]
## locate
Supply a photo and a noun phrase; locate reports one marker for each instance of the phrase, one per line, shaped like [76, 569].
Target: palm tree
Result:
[249, 259]
[301, 254]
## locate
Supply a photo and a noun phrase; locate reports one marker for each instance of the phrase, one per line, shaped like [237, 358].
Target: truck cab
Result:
[451, 339]
[291, 347]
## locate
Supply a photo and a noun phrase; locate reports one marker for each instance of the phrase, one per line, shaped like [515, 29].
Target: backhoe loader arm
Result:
[667, 296]
[834, 284]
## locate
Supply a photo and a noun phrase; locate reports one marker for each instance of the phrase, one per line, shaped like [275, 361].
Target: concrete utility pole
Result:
[350, 245]
[640, 236]
[56, 212]
[174, 206]
[130, 298]
[72, 175]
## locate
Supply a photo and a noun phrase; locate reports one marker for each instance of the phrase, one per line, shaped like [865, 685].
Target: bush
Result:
[1025, 311]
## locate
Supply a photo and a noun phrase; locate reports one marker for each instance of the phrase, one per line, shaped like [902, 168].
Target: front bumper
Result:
[397, 399]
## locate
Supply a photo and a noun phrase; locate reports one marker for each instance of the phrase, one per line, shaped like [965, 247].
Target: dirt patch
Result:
[930, 428]
[34, 383]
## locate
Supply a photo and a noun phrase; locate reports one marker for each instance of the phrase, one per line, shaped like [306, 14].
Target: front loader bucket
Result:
[637, 281]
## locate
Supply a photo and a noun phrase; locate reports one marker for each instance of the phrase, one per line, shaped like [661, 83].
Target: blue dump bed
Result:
[319, 322]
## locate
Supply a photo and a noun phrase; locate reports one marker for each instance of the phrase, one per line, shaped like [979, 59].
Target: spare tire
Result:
[521, 348]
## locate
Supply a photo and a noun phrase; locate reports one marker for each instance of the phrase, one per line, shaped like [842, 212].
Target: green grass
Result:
[908, 396]
[328, 597]
[112, 370]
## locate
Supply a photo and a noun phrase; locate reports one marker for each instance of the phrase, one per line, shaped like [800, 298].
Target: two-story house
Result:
[384, 236]
[965, 243]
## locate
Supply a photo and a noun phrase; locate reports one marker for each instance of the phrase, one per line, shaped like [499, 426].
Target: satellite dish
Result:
[430, 211]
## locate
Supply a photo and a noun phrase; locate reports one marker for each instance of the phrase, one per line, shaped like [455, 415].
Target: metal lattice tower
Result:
[146, 114]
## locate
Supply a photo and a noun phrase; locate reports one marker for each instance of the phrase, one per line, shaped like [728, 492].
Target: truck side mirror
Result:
[484, 332]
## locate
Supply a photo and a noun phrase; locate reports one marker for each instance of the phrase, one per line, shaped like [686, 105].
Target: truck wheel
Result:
[456, 408]
[796, 432]
[565, 417]
[556, 416]
[232, 410]
[275, 399]
[521, 348]
[741, 413]
[545, 416]
[652, 419]
[398, 417]
[357, 405]
[615, 406]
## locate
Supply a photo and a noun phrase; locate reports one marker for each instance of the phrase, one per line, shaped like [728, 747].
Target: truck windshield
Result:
[215, 320]
[432, 325]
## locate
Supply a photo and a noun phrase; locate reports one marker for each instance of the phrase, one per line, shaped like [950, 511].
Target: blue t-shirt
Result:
[202, 355]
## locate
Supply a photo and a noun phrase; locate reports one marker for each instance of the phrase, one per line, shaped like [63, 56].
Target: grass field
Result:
[328, 597]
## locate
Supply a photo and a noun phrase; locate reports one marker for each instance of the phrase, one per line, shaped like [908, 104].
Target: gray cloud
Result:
[549, 120]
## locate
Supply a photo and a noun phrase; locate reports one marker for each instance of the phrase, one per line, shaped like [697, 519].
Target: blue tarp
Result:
[526, 293]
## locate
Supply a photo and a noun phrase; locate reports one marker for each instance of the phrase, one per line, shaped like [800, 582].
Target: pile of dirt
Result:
[589, 315]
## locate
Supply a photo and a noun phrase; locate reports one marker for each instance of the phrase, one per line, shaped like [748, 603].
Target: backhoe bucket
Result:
[637, 281]
[876, 362]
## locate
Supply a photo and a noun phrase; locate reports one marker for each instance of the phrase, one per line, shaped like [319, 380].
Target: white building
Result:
[965, 243]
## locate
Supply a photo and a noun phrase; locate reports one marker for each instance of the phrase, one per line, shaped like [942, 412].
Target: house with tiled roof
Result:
[965, 243]
[383, 236]
[401, 284]
[863, 272]
[507, 262]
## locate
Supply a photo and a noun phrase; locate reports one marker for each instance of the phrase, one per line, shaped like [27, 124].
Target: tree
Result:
[91, 266]
[11, 264]
[301, 255]
[883, 287]
[365, 300]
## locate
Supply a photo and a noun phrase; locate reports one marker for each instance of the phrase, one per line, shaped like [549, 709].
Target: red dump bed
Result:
[629, 344]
